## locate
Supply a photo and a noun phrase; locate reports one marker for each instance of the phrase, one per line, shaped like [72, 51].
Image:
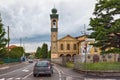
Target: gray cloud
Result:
[31, 18]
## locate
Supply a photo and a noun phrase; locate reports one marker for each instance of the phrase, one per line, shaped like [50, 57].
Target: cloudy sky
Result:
[29, 20]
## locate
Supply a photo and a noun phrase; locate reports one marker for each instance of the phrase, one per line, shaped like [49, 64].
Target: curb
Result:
[110, 73]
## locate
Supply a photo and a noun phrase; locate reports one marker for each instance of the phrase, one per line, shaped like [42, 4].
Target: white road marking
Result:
[60, 76]
[10, 79]
[2, 79]
[27, 75]
[14, 71]
[68, 78]
[25, 70]
[17, 78]
[6, 67]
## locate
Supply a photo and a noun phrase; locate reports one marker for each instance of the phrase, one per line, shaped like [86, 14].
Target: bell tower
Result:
[54, 32]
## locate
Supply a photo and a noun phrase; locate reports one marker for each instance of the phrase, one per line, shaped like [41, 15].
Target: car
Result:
[30, 61]
[43, 67]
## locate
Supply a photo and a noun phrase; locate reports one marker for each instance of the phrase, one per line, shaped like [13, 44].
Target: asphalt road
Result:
[24, 71]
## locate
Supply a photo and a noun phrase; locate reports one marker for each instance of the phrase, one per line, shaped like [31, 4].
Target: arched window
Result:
[74, 47]
[68, 46]
[61, 46]
[54, 23]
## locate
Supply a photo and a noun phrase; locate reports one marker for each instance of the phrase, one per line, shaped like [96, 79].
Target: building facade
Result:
[68, 46]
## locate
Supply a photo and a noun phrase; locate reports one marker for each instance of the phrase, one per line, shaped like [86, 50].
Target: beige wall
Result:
[54, 55]
[71, 42]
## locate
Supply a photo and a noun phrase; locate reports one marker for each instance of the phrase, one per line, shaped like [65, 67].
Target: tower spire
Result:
[54, 5]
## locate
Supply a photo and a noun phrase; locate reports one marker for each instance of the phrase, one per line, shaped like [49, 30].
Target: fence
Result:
[97, 58]
[10, 60]
[61, 60]
[80, 59]
[89, 59]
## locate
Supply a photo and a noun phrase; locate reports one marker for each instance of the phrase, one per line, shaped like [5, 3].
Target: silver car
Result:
[43, 67]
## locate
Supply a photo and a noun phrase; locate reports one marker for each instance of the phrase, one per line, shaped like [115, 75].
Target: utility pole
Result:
[85, 30]
[85, 50]
[20, 41]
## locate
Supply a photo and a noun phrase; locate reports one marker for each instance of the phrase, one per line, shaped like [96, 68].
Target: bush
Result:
[69, 64]
[1, 62]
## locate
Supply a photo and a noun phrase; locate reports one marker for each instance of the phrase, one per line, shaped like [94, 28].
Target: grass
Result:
[69, 64]
[102, 66]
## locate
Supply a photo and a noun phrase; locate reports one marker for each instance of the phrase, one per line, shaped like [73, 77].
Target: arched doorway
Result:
[73, 57]
[68, 57]
[61, 55]
[95, 58]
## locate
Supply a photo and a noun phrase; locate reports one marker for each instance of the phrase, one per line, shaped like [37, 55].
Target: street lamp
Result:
[85, 50]
[85, 61]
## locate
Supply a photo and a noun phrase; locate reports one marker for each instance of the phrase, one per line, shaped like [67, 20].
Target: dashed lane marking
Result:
[25, 70]
[17, 78]
[27, 75]
[14, 71]
[69, 78]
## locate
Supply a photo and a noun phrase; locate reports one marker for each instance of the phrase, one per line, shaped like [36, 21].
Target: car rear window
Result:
[42, 64]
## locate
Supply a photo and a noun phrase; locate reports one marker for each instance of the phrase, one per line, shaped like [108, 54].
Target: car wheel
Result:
[34, 75]
[52, 72]
[50, 75]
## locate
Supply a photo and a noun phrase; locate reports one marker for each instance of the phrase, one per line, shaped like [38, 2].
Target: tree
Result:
[44, 50]
[106, 26]
[3, 40]
[38, 53]
[16, 52]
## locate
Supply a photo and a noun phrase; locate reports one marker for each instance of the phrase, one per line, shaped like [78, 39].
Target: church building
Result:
[68, 46]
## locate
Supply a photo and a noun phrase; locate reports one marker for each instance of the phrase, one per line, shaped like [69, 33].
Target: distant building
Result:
[68, 45]
[11, 47]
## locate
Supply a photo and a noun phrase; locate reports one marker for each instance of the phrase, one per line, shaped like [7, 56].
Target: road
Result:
[24, 71]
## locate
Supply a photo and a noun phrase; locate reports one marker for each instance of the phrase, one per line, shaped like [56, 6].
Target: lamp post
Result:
[85, 50]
